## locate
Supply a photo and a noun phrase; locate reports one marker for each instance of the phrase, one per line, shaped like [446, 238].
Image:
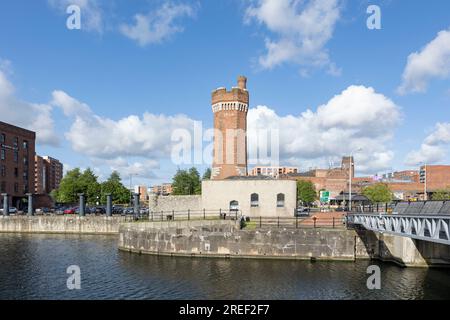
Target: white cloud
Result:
[303, 29]
[32, 116]
[433, 61]
[433, 149]
[147, 136]
[91, 13]
[158, 25]
[357, 117]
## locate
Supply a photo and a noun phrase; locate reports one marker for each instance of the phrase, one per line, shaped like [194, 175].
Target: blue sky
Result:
[78, 88]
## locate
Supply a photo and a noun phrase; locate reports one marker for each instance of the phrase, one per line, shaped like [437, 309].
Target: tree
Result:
[74, 183]
[441, 194]
[378, 193]
[186, 182]
[91, 187]
[306, 192]
[120, 194]
[207, 174]
[69, 187]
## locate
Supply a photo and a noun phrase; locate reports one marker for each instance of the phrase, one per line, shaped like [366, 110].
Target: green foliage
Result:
[120, 194]
[378, 193]
[207, 174]
[441, 194]
[306, 192]
[76, 182]
[187, 182]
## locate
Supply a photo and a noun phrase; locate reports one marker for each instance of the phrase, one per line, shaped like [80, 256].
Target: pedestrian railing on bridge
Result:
[434, 228]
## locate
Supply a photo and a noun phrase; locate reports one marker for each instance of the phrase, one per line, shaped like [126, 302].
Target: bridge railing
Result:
[434, 228]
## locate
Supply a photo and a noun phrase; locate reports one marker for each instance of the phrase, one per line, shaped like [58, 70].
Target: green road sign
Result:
[324, 196]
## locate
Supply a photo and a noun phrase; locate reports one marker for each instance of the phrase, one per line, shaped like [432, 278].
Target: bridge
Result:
[423, 220]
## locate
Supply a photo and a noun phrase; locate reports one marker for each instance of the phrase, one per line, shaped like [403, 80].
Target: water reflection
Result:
[34, 267]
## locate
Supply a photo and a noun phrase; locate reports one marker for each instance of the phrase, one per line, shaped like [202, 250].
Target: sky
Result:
[110, 94]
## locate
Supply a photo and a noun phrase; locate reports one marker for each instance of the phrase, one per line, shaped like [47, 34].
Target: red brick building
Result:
[230, 136]
[17, 149]
[48, 174]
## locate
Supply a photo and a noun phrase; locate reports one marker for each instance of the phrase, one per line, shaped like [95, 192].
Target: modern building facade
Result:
[230, 131]
[164, 189]
[17, 149]
[272, 171]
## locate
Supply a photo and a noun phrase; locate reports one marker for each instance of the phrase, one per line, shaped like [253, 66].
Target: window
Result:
[280, 200]
[25, 175]
[16, 187]
[234, 205]
[16, 156]
[16, 172]
[3, 187]
[3, 154]
[25, 144]
[25, 161]
[3, 170]
[2, 138]
[16, 143]
[254, 200]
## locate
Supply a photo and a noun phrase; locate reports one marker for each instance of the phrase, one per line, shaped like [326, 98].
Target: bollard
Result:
[296, 222]
[204, 214]
[5, 204]
[136, 209]
[30, 204]
[109, 205]
[82, 204]
[333, 223]
[314, 219]
[189, 214]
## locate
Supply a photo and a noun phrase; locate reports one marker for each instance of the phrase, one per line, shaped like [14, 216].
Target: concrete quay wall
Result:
[224, 239]
[61, 224]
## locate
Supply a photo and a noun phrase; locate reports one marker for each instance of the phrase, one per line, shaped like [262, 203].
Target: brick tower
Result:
[230, 131]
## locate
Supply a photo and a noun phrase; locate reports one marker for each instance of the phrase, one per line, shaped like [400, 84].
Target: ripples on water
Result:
[34, 267]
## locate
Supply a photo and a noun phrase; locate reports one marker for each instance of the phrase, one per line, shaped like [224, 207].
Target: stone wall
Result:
[177, 203]
[61, 224]
[224, 239]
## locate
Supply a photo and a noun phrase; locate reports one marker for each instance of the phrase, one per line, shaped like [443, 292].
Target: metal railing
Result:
[187, 215]
[296, 222]
[429, 228]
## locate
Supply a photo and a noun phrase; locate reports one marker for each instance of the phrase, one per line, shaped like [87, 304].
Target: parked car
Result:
[12, 210]
[99, 210]
[302, 212]
[70, 210]
[117, 209]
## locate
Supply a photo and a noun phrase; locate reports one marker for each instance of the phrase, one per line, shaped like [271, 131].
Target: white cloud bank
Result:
[433, 61]
[433, 149]
[31, 116]
[158, 25]
[356, 118]
[303, 29]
